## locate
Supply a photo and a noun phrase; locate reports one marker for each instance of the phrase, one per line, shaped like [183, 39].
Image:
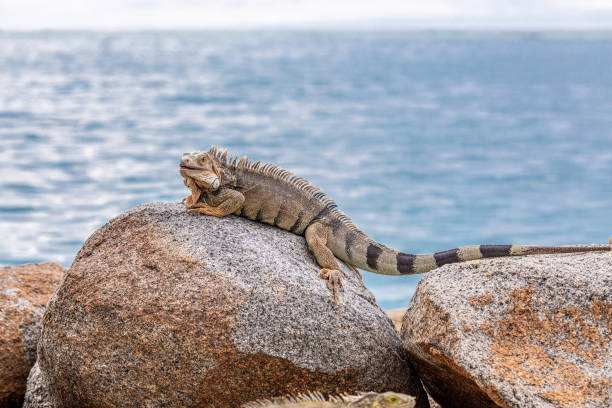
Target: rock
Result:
[37, 394]
[24, 292]
[396, 316]
[516, 332]
[166, 308]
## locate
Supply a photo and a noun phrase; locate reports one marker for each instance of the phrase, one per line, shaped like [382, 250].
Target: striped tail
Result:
[377, 258]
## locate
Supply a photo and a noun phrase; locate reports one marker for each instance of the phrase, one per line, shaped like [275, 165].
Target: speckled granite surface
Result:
[515, 332]
[166, 308]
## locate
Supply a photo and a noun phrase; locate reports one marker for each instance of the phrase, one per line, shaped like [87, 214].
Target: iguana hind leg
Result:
[224, 202]
[316, 238]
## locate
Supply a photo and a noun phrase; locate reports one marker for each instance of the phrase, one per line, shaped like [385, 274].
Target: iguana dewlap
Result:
[316, 400]
[266, 193]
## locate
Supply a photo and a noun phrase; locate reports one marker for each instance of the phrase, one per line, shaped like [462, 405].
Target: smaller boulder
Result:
[515, 332]
[24, 292]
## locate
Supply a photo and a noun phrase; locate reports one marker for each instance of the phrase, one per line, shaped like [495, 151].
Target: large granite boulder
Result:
[24, 292]
[166, 308]
[515, 332]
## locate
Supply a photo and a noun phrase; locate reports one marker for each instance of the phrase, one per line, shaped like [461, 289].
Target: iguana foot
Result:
[334, 281]
[188, 201]
[214, 211]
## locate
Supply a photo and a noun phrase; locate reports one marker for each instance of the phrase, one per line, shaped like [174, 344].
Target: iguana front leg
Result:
[316, 238]
[219, 203]
[196, 192]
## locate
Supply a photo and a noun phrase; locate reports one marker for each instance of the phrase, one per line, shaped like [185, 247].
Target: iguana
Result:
[316, 400]
[266, 193]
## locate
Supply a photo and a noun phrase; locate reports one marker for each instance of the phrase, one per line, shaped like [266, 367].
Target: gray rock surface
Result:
[24, 292]
[37, 394]
[516, 332]
[166, 308]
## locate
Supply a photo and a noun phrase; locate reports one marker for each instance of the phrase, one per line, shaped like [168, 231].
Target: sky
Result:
[305, 14]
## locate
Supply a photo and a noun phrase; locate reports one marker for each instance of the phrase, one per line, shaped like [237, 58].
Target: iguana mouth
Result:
[185, 167]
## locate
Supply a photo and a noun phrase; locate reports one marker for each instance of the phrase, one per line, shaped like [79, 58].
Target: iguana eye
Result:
[392, 398]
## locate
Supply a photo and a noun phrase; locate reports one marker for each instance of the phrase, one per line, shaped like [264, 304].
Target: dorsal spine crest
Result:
[278, 173]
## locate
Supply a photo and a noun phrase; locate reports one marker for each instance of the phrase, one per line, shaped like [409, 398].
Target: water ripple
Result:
[428, 143]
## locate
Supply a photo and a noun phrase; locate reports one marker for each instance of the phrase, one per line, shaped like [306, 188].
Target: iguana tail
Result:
[362, 252]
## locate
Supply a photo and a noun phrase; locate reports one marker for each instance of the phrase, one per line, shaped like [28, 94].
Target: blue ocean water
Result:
[428, 140]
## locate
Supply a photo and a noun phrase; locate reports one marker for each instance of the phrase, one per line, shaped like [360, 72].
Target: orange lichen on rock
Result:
[437, 330]
[602, 311]
[543, 349]
[24, 292]
[479, 301]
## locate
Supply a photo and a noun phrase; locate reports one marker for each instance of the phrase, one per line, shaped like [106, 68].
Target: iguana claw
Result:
[334, 281]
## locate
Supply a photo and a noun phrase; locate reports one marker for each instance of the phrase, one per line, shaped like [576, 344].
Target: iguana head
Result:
[385, 400]
[202, 168]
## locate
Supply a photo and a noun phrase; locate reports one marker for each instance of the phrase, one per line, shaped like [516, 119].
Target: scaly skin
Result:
[367, 400]
[220, 186]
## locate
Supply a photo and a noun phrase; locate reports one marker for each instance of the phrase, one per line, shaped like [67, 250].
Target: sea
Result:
[428, 140]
